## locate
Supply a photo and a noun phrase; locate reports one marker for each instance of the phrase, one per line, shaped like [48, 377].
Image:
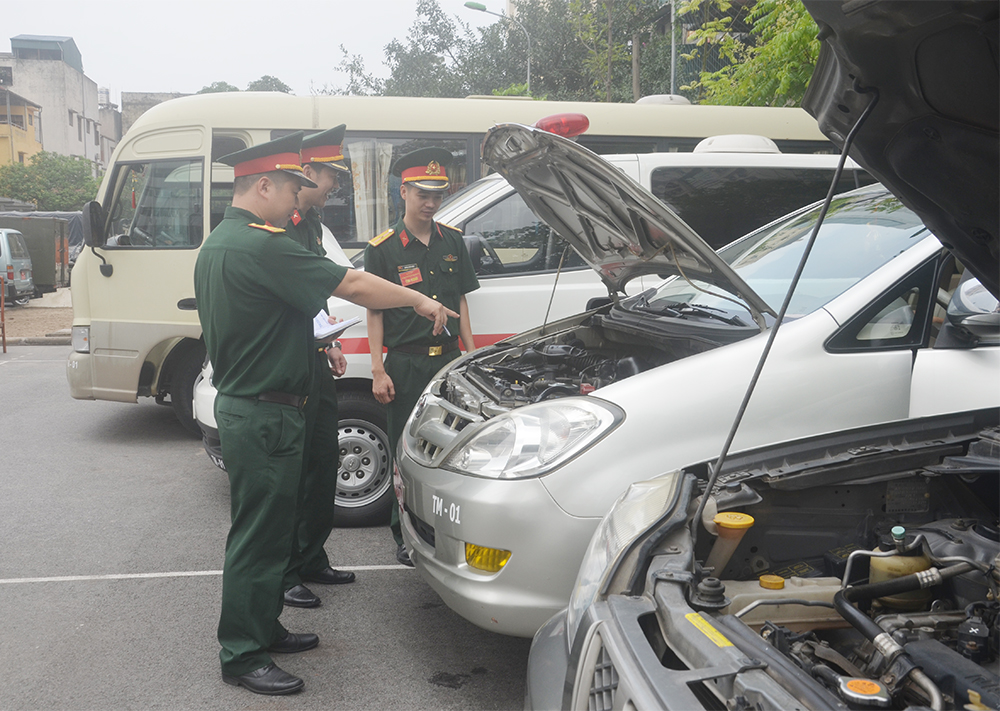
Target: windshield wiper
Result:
[679, 309]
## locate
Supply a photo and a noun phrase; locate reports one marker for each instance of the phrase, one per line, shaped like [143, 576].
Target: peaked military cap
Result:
[281, 154]
[424, 168]
[325, 148]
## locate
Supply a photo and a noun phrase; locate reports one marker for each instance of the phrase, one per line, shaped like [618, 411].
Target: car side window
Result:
[158, 205]
[508, 238]
[900, 318]
[722, 203]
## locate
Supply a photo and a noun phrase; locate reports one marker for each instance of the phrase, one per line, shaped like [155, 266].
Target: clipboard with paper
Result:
[323, 329]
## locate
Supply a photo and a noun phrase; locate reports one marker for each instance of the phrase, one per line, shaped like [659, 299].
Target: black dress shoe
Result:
[301, 596]
[270, 680]
[293, 643]
[403, 556]
[329, 576]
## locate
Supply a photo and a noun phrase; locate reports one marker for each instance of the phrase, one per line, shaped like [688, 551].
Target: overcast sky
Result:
[183, 45]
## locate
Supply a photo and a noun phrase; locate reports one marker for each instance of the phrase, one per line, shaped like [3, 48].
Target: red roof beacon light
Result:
[565, 125]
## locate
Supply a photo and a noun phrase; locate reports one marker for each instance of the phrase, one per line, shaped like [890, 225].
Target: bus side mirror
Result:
[93, 232]
[93, 224]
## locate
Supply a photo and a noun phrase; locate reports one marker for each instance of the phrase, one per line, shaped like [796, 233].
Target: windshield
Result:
[861, 232]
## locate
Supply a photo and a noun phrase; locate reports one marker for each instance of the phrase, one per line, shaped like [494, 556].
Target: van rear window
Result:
[722, 203]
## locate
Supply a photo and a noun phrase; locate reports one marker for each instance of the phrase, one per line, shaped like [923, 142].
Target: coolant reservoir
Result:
[896, 566]
[796, 617]
[731, 527]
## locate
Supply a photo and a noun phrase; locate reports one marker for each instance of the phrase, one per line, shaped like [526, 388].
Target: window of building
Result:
[71, 117]
[79, 128]
[20, 157]
[88, 126]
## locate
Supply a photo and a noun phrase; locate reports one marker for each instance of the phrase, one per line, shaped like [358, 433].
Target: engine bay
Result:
[883, 590]
[575, 361]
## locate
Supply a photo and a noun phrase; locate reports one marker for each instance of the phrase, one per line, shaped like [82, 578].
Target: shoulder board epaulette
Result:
[443, 224]
[268, 228]
[376, 241]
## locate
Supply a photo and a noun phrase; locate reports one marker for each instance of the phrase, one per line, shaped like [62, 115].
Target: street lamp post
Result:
[482, 8]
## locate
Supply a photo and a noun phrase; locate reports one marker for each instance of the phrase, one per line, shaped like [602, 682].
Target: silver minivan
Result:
[15, 265]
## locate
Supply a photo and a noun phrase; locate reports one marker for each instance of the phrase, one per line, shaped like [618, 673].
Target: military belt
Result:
[427, 350]
[280, 398]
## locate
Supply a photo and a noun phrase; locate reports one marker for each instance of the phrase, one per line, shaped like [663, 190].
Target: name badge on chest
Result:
[409, 274]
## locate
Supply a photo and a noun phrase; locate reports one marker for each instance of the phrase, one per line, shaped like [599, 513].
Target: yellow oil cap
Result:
[733, 520]
[772, 582]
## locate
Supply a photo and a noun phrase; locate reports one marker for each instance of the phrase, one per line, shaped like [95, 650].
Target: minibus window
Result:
[158, 205]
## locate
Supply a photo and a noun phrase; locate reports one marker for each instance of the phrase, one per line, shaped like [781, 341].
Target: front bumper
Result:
[444, 511]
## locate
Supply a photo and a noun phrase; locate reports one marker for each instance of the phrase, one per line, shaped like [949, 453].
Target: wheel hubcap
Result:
[364, 471]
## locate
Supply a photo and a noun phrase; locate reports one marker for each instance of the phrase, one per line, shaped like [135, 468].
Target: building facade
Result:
[48, 71]
[20, 128]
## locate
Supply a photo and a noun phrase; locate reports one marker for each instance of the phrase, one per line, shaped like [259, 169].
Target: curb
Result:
[40, 341]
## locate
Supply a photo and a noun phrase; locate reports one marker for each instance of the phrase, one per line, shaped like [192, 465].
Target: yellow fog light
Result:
[489, 559]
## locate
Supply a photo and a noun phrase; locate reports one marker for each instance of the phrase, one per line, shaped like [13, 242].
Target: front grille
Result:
[452, 422]
[602, 690]
[425, 531]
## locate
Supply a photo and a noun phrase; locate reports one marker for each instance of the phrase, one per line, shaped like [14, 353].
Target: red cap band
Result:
[275, 161]
[322, 154]
[424, 172]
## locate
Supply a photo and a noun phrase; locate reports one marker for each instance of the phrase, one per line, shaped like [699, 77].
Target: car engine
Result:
[884, 589]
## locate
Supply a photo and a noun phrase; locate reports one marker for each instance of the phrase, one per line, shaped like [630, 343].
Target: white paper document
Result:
[323, 329]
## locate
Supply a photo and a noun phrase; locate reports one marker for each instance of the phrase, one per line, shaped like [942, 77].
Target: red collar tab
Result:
[266, 164]
[431, 171]
[403, 237]
[296, 218]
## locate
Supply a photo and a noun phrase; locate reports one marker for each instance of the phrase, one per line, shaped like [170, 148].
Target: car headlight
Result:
[642, 504]
[535, 439]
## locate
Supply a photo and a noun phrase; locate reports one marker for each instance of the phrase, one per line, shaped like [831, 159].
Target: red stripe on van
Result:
[360, 345]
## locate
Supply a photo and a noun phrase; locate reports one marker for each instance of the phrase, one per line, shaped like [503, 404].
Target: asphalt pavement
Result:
[114, 524]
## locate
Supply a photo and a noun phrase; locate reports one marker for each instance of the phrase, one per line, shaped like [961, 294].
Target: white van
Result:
[15, 268]
[135, 327]
[726, 187]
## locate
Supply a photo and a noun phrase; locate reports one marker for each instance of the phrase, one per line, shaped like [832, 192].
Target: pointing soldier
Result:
[257, 293]
[430, 258]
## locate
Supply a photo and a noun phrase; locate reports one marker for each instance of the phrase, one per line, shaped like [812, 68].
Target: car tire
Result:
[185, 372]
[364, 476]
[21, 300]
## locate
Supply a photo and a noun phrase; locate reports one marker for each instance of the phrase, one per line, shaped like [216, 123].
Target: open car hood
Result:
[932, 136]
[615, 224]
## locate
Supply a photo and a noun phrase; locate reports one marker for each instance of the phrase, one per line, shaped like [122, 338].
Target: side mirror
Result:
[982, 326]
[93, 224]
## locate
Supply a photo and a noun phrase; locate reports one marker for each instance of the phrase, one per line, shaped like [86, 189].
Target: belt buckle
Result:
[434, 351]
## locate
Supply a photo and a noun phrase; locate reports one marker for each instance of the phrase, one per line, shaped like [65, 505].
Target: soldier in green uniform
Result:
[323, 163]
[257, 293]
[425, 256]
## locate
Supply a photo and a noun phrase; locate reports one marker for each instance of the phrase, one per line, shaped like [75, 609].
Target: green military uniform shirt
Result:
[442, 270]
[307, 230]
[257, 293]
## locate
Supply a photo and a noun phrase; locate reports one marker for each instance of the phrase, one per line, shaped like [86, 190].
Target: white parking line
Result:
[179, 574]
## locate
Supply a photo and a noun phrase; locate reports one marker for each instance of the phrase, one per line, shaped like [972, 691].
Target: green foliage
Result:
[773, 70]
[513, 90]
[269, 83]
[217, 87]
[51, 181]
[570, 53]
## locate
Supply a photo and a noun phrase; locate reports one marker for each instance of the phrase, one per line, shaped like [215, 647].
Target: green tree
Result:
[773, 69]
[217, 87]
[51, 181]
[269, 83]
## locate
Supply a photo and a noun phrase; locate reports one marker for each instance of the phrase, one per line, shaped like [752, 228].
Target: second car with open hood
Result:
[515, 452]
